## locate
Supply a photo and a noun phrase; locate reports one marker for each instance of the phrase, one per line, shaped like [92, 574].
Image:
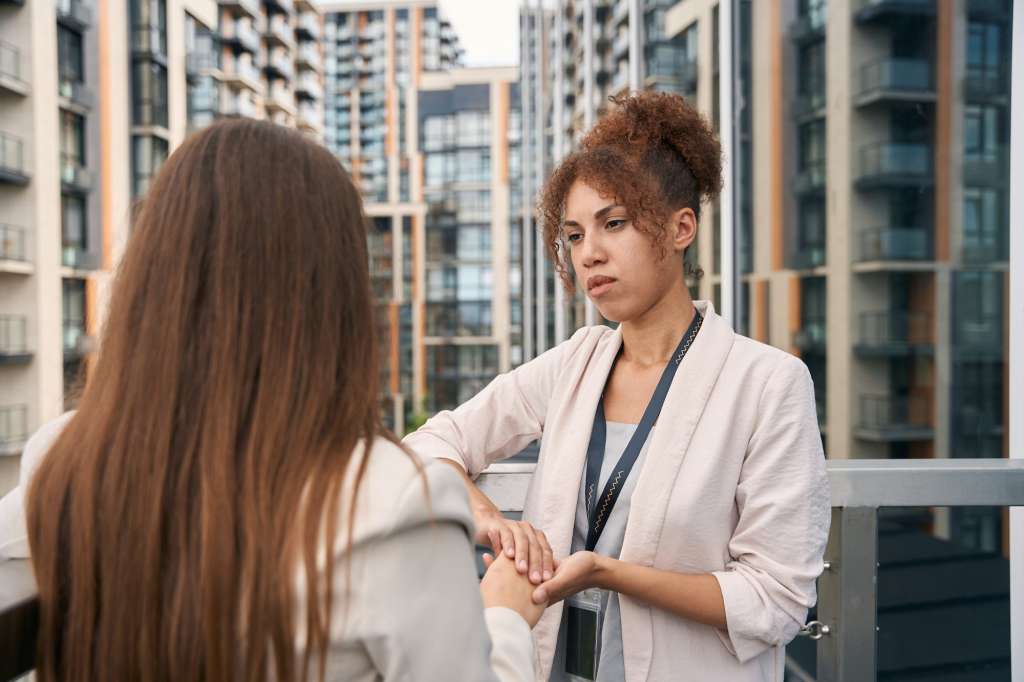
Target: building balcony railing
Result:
[994, 250]
[201, 63]
[989, 9]
[14, 429]
[74, 13]
[984, 84]
[242, 36]
[810, 26]
[74, 175]
[620, 48]
[986, 169]
[894, 165]
[978, 335]
[243, 7]
[308, 57]
[243, 73]
[889, 418]
[10, 69]
[280, 65]
[807, 257]
[811, 178]
[308, 26]
[14, 339]
[895, 244]
[890, 333]
[904, 80]
[620, 13]
[13, 243]
[286, 6]
[76, 92]
[78, 257]
[239, 105]
[810, 104]
[75, 340]
[866, 11]
[811, 337]
[12, 160]
[308, 87]
[280, 32]
[845, 631]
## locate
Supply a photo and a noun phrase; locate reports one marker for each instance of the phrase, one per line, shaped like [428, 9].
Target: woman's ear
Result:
[683, 228]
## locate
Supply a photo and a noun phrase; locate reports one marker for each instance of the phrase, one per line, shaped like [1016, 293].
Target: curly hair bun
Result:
[650, 122]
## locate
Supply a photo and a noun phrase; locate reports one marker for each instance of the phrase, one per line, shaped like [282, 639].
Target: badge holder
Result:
[584, 622]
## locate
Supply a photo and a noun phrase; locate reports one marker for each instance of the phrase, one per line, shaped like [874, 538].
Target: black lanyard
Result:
[598, 513]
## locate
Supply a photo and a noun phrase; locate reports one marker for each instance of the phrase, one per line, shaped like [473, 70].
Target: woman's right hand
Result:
[502, 585]
[525, 546]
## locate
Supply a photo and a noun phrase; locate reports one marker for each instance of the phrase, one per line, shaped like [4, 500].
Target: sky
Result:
[488, 30]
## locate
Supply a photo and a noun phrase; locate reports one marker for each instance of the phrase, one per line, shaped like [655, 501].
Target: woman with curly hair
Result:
[679, 511]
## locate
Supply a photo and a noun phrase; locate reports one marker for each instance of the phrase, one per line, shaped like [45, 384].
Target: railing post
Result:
[848, 597]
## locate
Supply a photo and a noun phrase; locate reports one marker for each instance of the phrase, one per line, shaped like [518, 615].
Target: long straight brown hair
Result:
[202, 474]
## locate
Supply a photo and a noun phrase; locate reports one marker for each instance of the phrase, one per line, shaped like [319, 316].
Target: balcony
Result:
[811, 337]
[76, 343]
[892, 166]
[868, 11]
[199, 64]
[13, 247]
[309, 117]
[895, 244]
[985, 169]
[807, 257]
[985, 86]
[11, 80]
[74, 176]
[285, 6]
[279, 33]
[985, 251]
[809, 105]
[78, 257]
[241, 36]
[978, 337]
[14, 429]
[250, 8]
[886, 418]
[243, 74]
[76, 94]
[280, 98]
[907, 81]
[240, 106]
[74, 14]
[308, 87]
[890, 333]
[308, 57]
[989, 9]
[14, 340]
[811, 178]
[308, 26]
[280, 66]
[810, 27]
[620, 13]
[12, 160]
[620, 48]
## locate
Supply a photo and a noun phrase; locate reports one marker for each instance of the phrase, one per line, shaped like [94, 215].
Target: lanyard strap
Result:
[599, 511]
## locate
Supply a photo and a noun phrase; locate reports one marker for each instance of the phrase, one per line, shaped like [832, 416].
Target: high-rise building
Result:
[166, 68]
[432, 146]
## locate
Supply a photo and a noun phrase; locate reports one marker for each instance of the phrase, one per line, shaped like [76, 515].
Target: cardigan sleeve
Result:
[783, 501]
[503, 418]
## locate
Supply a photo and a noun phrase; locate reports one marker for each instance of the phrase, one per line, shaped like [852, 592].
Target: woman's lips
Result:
[598, 285]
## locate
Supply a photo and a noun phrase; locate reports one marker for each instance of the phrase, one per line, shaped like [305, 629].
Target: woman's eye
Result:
[573, 237]
[615, 223]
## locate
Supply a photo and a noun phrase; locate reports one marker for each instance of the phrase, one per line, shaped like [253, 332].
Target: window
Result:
[149, 93]
[149, 26]
[437, 133]
[982, 133]
[812, 70]
[73, 222]
[473, 165]
[812, 145]
[70, 55]
[474, 128]
[984, 236]
[148, 155]
[72, 139]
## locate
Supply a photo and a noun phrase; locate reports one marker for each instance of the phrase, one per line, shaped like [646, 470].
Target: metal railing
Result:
[896, 160]
[902, 75]
[895, 331]
[10, 61]
[887, 417]
[13, 425]
[13, 335]
[12, 153]
[13, 243]
[845, 626]
[895, 243]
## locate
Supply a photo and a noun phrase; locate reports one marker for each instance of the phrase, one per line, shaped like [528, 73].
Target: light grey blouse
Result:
[610, 668]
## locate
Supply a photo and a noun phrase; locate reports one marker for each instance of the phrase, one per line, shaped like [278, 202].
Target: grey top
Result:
[611, 667]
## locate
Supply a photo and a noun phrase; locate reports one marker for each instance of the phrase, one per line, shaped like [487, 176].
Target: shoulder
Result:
[764, 361]
[40, 443]
[400, 490]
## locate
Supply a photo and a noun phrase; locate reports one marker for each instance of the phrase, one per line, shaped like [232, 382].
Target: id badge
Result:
[584, 621]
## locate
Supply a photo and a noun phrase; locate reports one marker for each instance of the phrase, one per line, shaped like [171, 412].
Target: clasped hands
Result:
[523, 573]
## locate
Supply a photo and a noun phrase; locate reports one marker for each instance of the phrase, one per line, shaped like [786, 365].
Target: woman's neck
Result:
[651, 338]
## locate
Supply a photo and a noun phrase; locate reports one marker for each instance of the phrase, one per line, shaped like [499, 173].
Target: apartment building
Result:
[166, 68]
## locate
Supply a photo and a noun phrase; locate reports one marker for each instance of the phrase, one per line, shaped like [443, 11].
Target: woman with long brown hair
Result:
[226, 504]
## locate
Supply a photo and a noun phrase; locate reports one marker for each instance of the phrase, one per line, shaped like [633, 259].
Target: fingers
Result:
[507, 541]
[494, 540]
[488, 560]
[547, 556]
[522, 544]
[536, 559]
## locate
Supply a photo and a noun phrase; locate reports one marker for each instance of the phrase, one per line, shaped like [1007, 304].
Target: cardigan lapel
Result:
[670, 439]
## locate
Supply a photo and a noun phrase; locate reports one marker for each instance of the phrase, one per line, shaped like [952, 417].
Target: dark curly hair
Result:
[654, 153]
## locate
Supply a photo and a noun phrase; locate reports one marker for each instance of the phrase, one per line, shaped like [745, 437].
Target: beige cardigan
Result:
[734, 485]
[413, 609]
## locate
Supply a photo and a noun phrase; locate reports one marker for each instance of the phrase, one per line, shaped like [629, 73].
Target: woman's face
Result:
[617, 265]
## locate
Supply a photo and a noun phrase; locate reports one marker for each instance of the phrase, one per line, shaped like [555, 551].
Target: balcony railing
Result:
[984, 83]
[13, 338]
[889, 333]
[810, 103]
[12, 159]
[13, 428]
[978, 334]
[894, 418]
[896, 79]
[807, 257]
[77, 257]
[811, 338]
[13, 243]
[811, 178]
[871, 10]
[74, 338]
[810, 26]
[250, 7]
[74, 174]
[895, 244]
[243, 35]
[890, 164]
[308, 26]
[848, 590]
[309, 56]
[10, 62]
[75, 13]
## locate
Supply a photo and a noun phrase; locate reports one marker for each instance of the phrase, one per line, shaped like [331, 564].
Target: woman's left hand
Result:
[575, 573]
